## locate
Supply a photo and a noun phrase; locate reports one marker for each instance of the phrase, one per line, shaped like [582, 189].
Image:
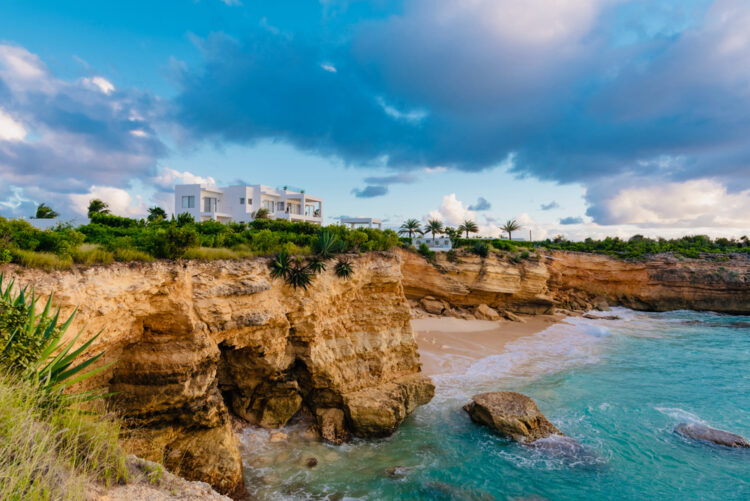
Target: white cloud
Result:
[120, 201]
[167, 178]
[329, 68]
[231, 2]
[23, 71]
[99, 83]
[139, 133]
[701, 202]
[433, 170]
[10, 129]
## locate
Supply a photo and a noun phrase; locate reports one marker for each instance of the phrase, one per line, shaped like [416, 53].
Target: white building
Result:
[438, 244]
[368, 222]
[240, 203]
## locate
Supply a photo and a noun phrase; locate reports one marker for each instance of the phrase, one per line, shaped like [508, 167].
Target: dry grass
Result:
[42, 260]
[91, 254]
[53, 453]
[126, 255]
[211, 254]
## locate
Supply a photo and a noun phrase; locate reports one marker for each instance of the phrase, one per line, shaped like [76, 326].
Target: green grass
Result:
[210, 253]
[42, 260]
[88, 254]
[126, 255]
[50, 454]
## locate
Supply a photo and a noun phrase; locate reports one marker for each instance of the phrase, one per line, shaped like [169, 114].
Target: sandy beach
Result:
[449, 344]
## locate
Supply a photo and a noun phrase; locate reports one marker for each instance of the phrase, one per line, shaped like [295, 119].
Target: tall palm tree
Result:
[410, 227]
[433, 226]
[510, 226]
[44, 211]
[469, 226]
[97, 206]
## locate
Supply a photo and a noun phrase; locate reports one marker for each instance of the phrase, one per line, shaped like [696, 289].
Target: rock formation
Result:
[195, 341]
[576, 281]
[512, 415]
[708, 434]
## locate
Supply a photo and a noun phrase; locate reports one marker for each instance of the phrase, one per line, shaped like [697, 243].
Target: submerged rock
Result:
[512, 415]
[708, 434]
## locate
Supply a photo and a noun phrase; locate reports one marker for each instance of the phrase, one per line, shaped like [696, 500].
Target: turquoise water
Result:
[618, 387]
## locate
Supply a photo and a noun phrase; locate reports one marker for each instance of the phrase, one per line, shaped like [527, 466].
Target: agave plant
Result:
[281, 265]
[344, 268]
[300, 275]
[32, 345]
[316, 265]
[326, 244]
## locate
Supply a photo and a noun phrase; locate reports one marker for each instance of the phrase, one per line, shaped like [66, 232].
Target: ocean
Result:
[618, 387]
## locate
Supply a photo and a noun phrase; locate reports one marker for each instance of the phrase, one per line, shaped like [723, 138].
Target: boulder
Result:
[432, 305]
[331, 425]
[708, 434]
[484, 312]
[509, 315]
[511, 414]
[378, 411]
[600, 303]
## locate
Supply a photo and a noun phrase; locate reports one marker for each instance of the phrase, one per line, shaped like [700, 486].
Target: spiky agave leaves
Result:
[326, 244]
[281, 265]
[300, 275]
[316, 265]
[344, 268]
[53, 368]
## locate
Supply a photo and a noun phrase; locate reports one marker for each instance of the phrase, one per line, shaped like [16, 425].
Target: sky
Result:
[586, 118]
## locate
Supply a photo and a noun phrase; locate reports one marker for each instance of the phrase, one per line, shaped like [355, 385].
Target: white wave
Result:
[681, 415]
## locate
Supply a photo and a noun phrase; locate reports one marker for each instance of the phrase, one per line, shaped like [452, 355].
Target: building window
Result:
[242, 200]
[188, 202]
[268, 205]
[210, 204]
[280, 206]
[249, 201]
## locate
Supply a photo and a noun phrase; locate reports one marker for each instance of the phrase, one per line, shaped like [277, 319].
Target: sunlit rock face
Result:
[193, 342]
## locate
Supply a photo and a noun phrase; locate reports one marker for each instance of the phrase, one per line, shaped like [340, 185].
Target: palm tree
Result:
[156, 214]
[411, 227]
[97, 206]
[433, 226]
[510, 226]
[44, 211]
[469, 226]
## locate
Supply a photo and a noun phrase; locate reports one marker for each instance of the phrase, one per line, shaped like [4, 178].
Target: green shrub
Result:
[5, 256]
[425, 252]
[524, 255]
[480, 249]
[299, 275]
[172, 242]
[125, 255]
[452, 256]
[326, 244]
[281, 265]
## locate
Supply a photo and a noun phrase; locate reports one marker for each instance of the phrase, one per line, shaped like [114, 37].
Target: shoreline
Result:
[449, 345]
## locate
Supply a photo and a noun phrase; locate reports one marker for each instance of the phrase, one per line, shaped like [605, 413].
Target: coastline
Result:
[449, 345]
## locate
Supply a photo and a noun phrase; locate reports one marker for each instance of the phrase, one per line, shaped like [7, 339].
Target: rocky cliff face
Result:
[576, 281]
[661, 283]
[195, 341]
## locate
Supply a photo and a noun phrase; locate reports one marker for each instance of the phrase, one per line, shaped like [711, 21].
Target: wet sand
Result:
[451, 344]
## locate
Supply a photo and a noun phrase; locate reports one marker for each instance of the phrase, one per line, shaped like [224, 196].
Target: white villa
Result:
[240, 203]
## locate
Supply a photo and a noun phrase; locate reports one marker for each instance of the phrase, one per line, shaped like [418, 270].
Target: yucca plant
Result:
[344, 268]
[31, 345]
[281, 265]
[326, 244]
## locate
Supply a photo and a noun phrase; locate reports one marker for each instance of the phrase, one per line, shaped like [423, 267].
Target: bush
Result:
[480, 249]
[524, 255]
[452, 257]
[174, 241]
[425, 252]
[344, 268]
[42, 260]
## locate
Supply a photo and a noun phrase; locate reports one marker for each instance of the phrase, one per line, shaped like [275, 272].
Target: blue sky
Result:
[586, 117]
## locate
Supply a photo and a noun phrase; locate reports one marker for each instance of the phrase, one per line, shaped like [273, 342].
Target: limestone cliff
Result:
[195, 340]
[578, 281]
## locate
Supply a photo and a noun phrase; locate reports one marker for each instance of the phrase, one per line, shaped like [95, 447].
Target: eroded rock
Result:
[331, 425]
[434, 306]
[708, 434]
[512, 415]
[484, 312]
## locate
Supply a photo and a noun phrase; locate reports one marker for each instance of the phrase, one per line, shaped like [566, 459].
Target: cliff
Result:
[196, 340]
[578, 281]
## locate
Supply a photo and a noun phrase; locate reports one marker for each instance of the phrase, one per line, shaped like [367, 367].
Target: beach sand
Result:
[451, 344]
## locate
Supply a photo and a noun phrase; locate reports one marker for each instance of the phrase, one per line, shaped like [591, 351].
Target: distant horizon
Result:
[587, 119]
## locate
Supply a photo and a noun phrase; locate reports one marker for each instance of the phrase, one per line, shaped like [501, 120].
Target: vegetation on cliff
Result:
[49, 447]
[112, 238]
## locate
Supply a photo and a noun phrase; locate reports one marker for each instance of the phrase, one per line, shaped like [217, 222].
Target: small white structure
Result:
[370, 222]
[240, 203]
[438, 244]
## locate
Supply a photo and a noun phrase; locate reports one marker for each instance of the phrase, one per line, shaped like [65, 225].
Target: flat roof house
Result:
[240, 203]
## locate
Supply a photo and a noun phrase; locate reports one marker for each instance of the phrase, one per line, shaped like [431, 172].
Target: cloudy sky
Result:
[580, 117]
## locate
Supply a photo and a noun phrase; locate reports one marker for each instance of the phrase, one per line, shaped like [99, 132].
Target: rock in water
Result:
[331, 425]
[702, 432]
[511, 414]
